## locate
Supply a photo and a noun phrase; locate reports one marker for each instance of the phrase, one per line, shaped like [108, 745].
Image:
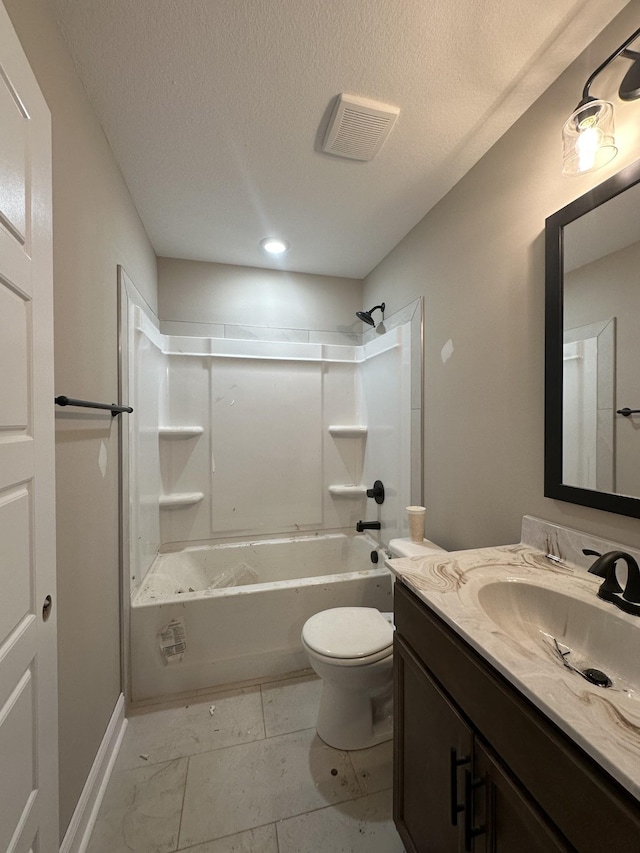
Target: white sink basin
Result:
[594, 633]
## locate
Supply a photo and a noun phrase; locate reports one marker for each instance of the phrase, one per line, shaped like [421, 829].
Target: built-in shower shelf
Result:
[348, 491]
[180, 431]
[176, 500]
[355, 431]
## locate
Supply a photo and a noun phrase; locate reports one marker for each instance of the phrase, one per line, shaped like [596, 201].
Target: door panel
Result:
[433, 746]
[17, 747]
[512, 819]
[17, 599]
[14, 358]
[28, 700]
[13, 171]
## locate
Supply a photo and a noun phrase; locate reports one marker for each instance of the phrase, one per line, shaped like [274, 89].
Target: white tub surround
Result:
[513, 632]
[353, 431]
[231, 416]
[211, 615]
[218, 422]
[180, 431]
[350, 490]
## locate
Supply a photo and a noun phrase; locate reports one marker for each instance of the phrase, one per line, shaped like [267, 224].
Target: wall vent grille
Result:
[359, 127]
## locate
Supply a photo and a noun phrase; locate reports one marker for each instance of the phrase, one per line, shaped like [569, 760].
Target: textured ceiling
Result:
[215, 110]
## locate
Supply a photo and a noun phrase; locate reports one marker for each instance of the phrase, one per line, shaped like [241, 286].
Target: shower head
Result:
[366, 317]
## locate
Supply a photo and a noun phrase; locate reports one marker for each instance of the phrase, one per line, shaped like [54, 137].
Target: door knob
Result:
[47, 608]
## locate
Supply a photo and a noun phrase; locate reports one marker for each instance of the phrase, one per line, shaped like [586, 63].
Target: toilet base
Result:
[349, 720]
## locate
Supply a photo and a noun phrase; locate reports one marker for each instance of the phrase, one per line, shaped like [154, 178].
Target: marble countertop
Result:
[605, 722]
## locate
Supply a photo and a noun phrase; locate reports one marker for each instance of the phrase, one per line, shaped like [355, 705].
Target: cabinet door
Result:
[503, 816]
[432, 748]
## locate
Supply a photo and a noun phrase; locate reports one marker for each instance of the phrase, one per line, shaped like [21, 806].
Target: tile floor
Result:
[243, 771]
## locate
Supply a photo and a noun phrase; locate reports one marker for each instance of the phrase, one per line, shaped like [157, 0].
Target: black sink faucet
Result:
[367, 525]
[605, 567]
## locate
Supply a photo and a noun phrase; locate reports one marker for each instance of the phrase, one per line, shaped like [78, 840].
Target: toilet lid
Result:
[348, 632]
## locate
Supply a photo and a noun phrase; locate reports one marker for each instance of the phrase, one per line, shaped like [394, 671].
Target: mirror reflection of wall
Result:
[602, 282]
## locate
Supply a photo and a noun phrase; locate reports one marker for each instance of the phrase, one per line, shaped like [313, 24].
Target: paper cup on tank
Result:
[416, 522]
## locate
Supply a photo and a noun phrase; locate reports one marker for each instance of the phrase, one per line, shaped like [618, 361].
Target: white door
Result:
[28, 700]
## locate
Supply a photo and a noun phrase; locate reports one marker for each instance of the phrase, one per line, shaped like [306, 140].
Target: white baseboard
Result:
[79, 831]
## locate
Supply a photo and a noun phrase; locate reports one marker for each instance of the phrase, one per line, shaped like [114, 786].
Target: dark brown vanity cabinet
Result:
[477, 769]
[434, 744]
[451, 793]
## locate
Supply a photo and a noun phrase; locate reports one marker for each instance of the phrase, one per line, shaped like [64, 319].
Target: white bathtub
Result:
[188, 632]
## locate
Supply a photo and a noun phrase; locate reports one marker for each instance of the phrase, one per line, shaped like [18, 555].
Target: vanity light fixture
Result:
[588, 140]
[274, 246]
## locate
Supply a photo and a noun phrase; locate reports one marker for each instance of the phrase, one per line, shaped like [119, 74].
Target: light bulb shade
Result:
[588, 138]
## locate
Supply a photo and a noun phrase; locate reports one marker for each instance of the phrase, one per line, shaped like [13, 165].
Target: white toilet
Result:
[351, 649]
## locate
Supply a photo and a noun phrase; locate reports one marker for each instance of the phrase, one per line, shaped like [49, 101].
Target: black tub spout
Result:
[367, 525]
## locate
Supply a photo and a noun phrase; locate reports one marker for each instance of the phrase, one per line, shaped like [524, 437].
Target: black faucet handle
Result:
[377, 492]
[632, 587]
[605, 567]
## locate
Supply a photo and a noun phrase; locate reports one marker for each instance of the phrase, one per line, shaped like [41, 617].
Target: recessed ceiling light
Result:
[274, 246]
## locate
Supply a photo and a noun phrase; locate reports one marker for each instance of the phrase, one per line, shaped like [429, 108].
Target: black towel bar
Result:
[87, 404]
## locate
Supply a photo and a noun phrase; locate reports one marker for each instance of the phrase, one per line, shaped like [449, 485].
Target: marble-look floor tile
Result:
[260, 840]
[290, 706]
[253, 784]
[141, 810]
[358, 826]
[192, 727]
[373, 767]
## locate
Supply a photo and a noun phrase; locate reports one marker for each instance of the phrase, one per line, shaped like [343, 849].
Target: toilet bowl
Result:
[351, 649]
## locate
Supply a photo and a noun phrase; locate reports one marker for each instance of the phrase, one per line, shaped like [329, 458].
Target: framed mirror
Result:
[592, 348]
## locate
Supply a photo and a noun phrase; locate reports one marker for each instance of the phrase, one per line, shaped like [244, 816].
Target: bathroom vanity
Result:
[498, 745]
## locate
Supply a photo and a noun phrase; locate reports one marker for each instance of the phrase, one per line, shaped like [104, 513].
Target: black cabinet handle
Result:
[454, 763]
[470, 832]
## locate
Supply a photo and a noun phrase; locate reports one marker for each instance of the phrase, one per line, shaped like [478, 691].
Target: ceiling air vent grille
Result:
[359, 127]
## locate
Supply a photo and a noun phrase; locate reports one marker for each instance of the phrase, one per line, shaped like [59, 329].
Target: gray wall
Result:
[197, 293]
[478, 260]
[96, 227]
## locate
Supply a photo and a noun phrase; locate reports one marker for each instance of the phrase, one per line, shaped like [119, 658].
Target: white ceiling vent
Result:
[359, 127]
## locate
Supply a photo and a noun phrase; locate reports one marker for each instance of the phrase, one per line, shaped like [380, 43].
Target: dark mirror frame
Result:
[554, 316]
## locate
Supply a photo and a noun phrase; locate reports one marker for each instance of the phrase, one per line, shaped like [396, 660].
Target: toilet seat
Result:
[340, 662]
[349, 635]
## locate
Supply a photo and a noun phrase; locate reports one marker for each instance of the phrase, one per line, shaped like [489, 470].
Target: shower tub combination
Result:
[218, 614]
